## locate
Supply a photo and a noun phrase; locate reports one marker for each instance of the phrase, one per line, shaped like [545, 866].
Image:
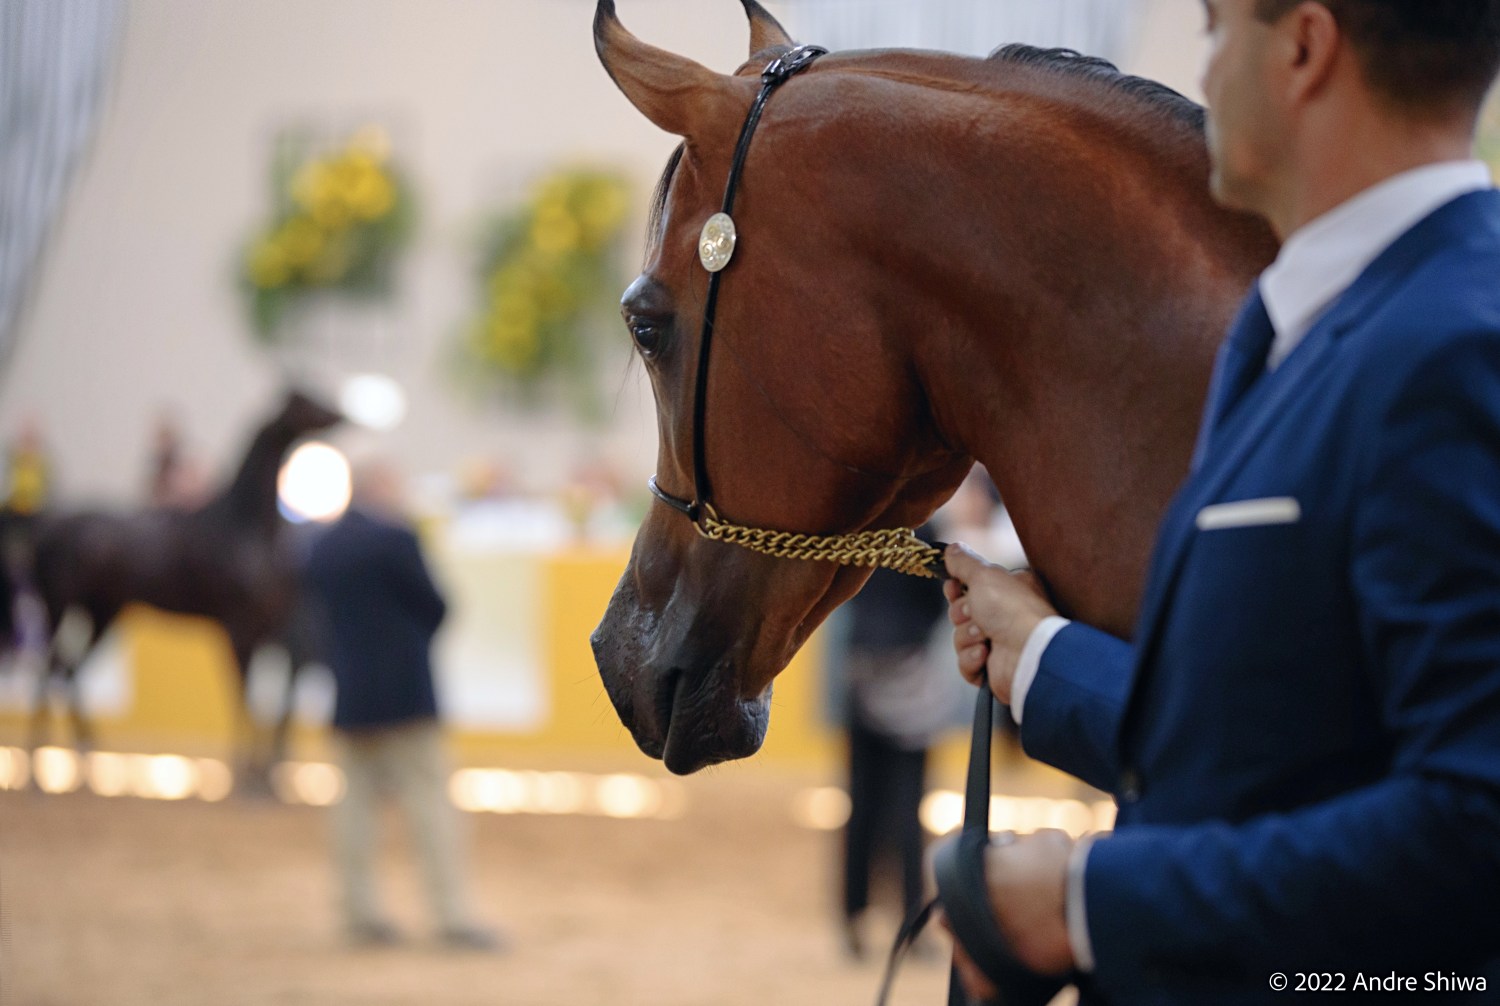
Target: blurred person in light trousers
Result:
[383, 610]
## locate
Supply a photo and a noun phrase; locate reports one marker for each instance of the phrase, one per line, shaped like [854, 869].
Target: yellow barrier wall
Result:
[184, 687]
[184, 692]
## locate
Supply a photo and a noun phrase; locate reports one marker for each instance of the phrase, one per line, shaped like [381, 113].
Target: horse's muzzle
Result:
[689, 718]
[708, 723]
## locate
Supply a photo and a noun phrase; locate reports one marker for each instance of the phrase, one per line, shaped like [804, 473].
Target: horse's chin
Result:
[700, 736]
[699, 730]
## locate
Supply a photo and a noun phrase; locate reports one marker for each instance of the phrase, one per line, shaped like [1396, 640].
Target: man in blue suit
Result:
[1304, 736]
[383, 610]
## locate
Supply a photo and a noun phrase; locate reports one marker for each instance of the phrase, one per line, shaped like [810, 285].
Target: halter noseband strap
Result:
[893, 548]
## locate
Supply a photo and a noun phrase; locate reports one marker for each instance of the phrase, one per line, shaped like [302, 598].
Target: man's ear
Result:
[1312, 48]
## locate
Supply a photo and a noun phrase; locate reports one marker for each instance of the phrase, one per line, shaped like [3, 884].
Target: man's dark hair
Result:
[1417, 53]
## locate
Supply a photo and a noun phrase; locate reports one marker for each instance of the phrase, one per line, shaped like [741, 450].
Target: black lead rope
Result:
[976, 821]
[776, 73]
[963, 893]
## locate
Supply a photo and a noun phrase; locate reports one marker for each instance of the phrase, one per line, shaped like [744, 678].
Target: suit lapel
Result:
[1241, 358]
[1229, 450]
[1232, 445]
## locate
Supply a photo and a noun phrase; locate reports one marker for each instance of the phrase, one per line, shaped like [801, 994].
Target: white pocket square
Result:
[1250, 513]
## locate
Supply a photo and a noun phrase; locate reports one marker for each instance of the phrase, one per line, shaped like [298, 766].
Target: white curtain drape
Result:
[976, 27]
[56, 58]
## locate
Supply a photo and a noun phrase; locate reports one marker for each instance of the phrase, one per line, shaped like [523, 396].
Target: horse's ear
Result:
[672, 91]
[765, 31]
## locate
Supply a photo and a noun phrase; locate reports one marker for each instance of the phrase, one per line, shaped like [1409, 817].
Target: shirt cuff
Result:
[1030, 662]
[1076, 907]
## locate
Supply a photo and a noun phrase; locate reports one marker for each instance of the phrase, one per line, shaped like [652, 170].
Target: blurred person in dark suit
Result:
[383, 610]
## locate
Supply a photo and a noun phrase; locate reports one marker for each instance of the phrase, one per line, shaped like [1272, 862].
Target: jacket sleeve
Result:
[412, 582]
[1404, 873]
[1076, 703]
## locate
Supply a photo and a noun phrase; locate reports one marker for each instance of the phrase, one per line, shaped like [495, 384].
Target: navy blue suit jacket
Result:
[382, 610]
[1304, 738]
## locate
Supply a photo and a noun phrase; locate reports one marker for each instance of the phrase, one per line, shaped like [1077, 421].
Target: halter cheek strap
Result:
[893, 548]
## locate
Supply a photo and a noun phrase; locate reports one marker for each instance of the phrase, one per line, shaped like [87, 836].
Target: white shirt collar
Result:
[1324, 257]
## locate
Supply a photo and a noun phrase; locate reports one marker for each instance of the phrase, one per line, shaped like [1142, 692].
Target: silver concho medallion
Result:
[716, 242]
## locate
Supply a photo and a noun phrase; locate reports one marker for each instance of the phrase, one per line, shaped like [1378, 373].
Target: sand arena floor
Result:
[119, 902]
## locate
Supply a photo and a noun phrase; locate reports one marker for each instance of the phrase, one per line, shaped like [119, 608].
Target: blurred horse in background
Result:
[941, 259]
[226, 560]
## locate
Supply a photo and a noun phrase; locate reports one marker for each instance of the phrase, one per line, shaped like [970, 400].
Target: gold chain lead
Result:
[892, 548]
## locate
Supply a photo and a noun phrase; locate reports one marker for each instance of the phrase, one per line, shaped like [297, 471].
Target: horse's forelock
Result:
[659, 201]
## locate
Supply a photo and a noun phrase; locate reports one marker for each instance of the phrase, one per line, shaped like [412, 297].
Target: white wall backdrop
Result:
[1096, 27]
[135, 308]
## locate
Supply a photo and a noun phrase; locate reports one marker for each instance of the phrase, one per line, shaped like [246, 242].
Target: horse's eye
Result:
[647, 335]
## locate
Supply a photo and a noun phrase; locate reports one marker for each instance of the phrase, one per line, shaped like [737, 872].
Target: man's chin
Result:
[1231, 196]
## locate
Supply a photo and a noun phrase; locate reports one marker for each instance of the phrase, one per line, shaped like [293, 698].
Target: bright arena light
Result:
[943, 811]
[215, 781]
[492, 791]
[627, 796]
[318, 785]
[558, 792]
[824, 808]
[15, 771]
[57, 770]
[165, 777]
[315, 484]
[108, 773]
[373, 400]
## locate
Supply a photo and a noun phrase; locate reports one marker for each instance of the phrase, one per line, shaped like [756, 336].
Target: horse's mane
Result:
[1073, 63]
[1067, 62]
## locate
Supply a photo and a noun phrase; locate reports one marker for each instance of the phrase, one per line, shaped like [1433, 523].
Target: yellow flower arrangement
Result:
[547, 270]
[339, 221]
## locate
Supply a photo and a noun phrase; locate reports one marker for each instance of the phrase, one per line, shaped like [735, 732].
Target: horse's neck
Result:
[250, 498]
[1081, 371]
[1085, 468]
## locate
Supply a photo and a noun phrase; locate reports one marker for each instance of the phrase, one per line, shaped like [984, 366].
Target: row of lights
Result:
[501, 791]
[622, 795]
[319, 784]
[826, 808]
[105, 773]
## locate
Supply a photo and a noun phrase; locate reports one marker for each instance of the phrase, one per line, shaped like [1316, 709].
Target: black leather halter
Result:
[777, 72]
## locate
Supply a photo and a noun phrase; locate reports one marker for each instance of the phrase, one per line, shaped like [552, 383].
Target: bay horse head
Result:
[697, 629]
[917, 238]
